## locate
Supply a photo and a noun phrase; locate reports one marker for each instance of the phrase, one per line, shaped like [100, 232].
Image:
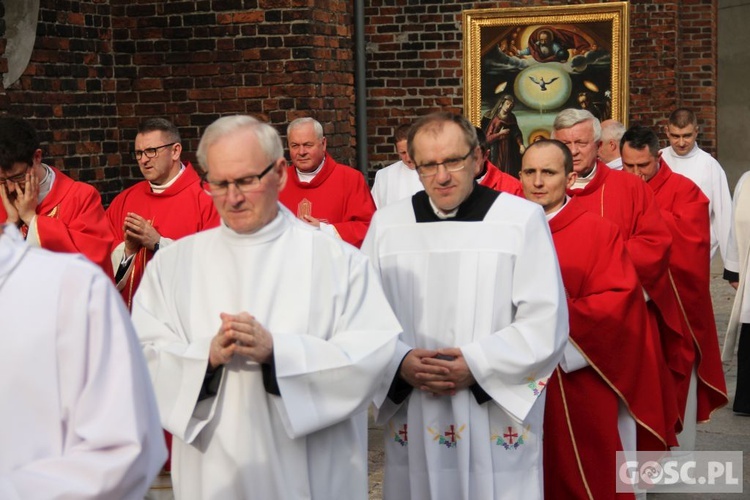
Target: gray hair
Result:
[268, 137]
[570, 117]
[299, 122]
[612, 130]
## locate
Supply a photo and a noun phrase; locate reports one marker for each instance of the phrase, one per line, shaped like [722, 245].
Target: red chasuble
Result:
[684, 207]
[337, 195]
[626, 200]
[182, 209]
[608, 325]
[71, 219]
[498, 180]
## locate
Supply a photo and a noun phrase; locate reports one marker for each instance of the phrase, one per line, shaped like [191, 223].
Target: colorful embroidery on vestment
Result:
[401, 436]
[535, 385]
[449, 438]
[511, 439]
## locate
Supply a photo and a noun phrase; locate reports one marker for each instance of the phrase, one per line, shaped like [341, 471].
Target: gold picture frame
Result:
[523, 65]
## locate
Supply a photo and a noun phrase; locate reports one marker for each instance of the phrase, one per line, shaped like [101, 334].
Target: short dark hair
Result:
[18, 141]
[567, 155]
[682, 117]
[435, 122]
[639, 137]
[162, 125]
[401, 133]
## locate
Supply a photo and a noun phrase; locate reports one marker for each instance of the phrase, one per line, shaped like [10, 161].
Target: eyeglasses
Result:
[16, 179]
[451, 165]
[150, 152]
[244, 184]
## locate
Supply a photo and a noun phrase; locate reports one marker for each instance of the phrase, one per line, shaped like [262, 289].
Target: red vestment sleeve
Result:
[76, 223]
[685, 210]
[609, 321]
[358, 210]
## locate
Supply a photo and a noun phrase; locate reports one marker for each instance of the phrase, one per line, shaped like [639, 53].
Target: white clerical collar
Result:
[581, 182]
[163, 187]
[552, 215]
[264, 234]
[689, 154]
[615, 164]
[309, 176]
[45, 185]
[440, 213]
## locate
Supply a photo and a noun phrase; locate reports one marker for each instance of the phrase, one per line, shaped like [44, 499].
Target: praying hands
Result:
[240, 334]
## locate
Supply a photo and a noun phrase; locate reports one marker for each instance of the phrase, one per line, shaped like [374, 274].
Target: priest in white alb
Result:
[265, 337]
[472, 276]
[78, 418]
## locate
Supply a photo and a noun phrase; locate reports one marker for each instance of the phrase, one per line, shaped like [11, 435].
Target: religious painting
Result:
[524, 65]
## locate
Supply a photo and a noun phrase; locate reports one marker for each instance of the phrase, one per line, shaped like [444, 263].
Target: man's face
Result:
[682, 140]
[305, 149]
[580, 141]
[16, 174]
[239, 155]
[639, 162]
[608, 150]
[447, 190]
[403, 153]
[543, 39]
[165, 165]
[543, 177]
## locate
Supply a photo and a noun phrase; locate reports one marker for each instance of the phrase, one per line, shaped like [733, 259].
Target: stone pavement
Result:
[725, 431]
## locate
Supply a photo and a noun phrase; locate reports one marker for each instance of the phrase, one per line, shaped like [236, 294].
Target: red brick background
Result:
[100, 66]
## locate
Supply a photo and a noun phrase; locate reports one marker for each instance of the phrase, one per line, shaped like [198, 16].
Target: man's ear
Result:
[36, 159]
[571, 180]
[282, 172]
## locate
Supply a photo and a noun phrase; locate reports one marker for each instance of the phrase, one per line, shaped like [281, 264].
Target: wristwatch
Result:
[156, 246]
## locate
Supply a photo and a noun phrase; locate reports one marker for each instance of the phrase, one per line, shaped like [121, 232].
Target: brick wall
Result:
[100, 66]
[3, 60]
[674, 63]
[64, 91]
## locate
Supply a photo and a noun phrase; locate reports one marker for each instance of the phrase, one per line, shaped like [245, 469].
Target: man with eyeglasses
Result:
[265, 337]
[595, 405]
[629, 203]
[50, 209]
[472, 276]
[168, 204]
[323, 193]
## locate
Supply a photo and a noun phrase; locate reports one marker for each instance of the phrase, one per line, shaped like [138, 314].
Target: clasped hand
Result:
[138, 232]
[240, 334]
[442, 372]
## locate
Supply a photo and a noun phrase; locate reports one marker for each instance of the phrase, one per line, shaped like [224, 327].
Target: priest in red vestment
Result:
[628, 202]
[491, 176]
[596, 404]
[168, 204]
[322, 192]
[684, 207]
[52, 210]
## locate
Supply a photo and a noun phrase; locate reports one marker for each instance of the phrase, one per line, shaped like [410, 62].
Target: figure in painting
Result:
[547, 44]
[504, 136]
